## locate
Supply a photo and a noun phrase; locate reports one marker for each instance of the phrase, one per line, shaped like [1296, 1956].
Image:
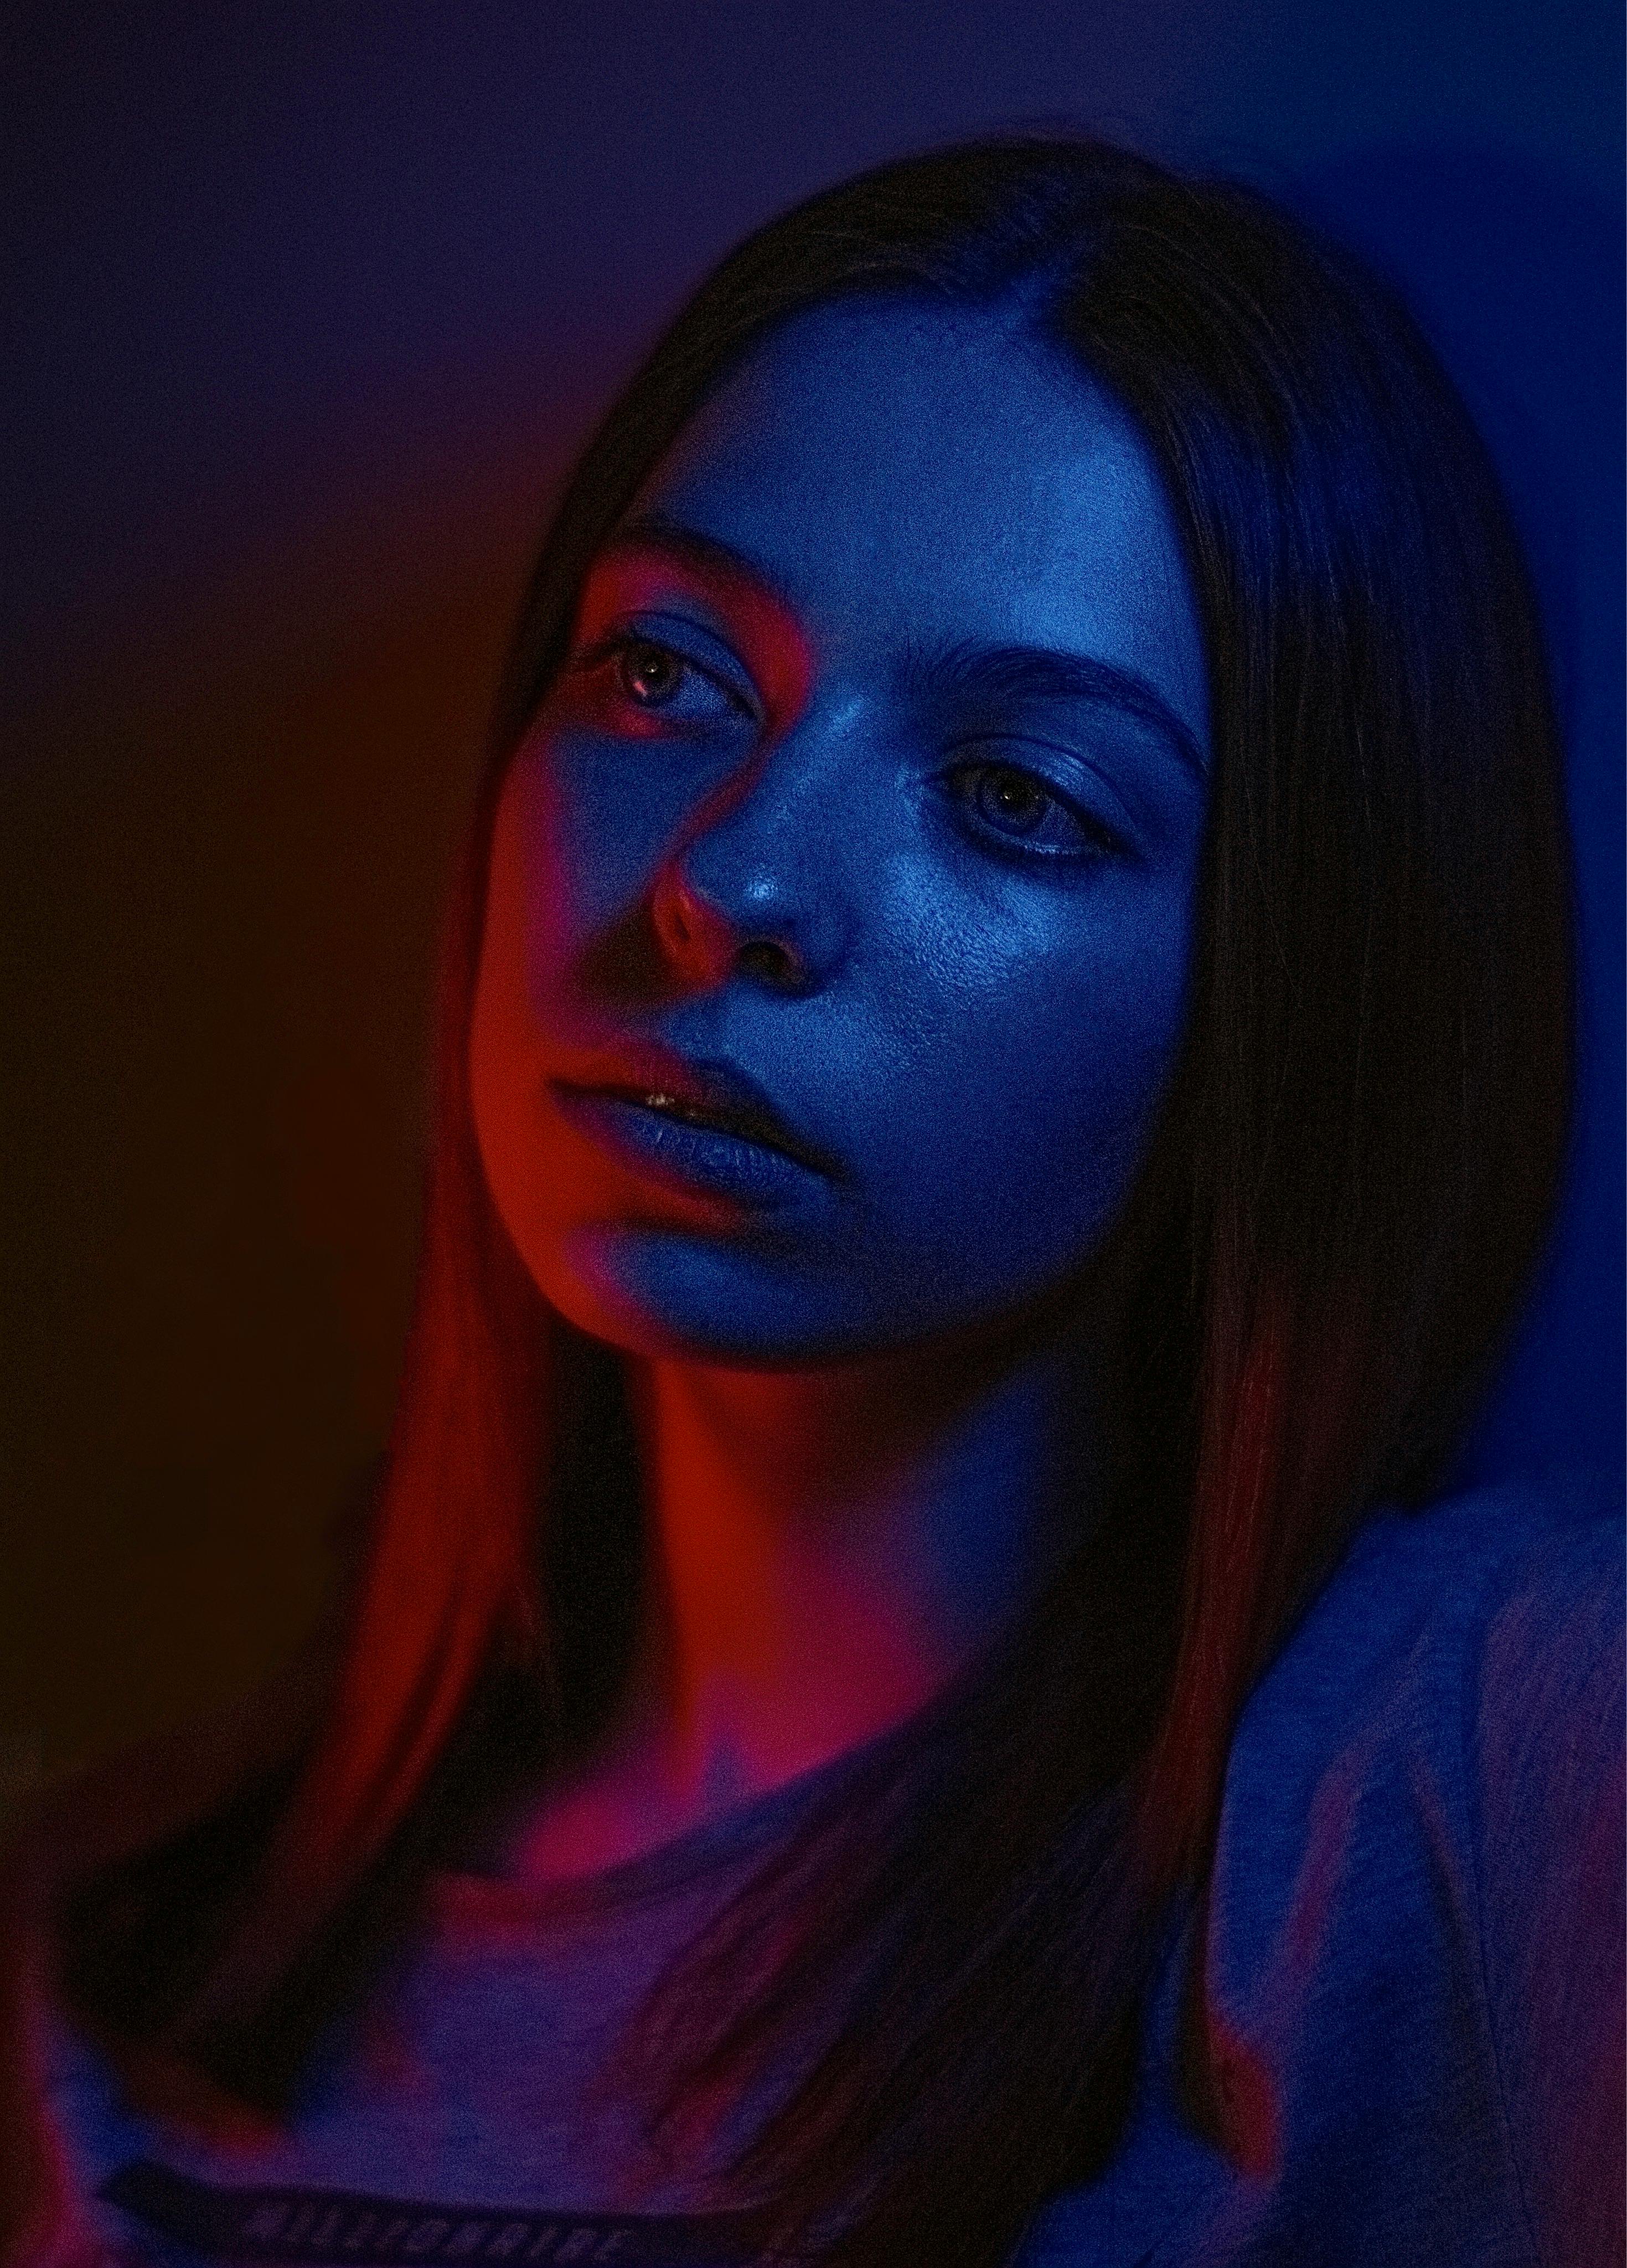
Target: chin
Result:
[666, 1296]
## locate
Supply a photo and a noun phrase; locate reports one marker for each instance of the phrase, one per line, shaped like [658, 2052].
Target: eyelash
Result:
[620, 645]
[1099, 839]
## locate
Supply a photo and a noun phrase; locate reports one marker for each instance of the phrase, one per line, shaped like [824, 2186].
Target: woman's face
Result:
[840, 893]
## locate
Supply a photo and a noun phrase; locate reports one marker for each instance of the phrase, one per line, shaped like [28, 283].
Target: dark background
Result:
[306, 309]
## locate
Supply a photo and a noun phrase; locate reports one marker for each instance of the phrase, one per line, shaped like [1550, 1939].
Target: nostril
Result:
[761, 956]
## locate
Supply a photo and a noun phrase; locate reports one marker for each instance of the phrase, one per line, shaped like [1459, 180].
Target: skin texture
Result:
[876, 772]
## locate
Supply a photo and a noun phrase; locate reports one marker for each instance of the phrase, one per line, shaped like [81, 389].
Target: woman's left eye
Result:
[1016, 803]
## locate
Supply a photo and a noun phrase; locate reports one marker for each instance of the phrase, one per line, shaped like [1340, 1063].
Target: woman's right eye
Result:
[651, 674]
[647, 675]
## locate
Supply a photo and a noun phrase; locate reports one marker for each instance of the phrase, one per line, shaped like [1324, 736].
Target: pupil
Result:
[650, 675]
[1015, 797]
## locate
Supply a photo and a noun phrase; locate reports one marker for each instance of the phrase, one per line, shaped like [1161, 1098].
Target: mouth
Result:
[744, 1125]
[695, 1118]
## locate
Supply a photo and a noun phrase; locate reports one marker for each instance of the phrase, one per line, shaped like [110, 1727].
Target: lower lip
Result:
[696, 1157]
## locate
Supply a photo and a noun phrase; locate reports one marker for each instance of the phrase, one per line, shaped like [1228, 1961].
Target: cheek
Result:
[556, 871]
[525, 946]
[545, 1182]
[502, 1029]
[1025, 1080]
[602, 809]
[525, 911]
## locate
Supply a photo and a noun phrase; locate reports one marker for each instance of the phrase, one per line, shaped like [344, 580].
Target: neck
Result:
[827, 1549]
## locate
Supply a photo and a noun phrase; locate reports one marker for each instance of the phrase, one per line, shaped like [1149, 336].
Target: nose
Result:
[706, 938]
[752, 888]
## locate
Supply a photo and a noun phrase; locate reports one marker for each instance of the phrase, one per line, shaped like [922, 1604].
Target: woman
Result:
[1003, 1069]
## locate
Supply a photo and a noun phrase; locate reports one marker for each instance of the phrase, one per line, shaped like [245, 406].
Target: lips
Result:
[713, 1095]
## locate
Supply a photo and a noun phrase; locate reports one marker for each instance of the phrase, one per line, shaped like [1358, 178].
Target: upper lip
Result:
[716, 1092]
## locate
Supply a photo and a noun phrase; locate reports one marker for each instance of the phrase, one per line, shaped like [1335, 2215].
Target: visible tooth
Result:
[674, 1106]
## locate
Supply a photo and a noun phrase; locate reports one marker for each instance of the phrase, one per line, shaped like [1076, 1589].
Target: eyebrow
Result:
[1037, 673]
[1021, 672]
[707, 556]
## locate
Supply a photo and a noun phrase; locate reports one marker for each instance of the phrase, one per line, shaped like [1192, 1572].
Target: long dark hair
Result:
[1340, 1207]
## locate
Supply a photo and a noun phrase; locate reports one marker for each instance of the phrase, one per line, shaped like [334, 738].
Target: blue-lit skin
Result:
[782, 808]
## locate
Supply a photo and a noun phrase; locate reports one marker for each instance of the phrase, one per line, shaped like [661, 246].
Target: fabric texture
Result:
[1408, 1970]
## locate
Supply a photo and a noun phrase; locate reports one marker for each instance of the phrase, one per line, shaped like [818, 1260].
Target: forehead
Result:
[902, 472]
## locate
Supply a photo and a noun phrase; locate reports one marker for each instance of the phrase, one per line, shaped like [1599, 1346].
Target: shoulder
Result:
[1545, 1777]
[1552, 1538]
[1538, 1536]
[1462, 1669]
[1400, 1970]
[1448, 1706]
[1482, 1604]
[1419, 1872]
[1540, 1640]
[1481, 1644]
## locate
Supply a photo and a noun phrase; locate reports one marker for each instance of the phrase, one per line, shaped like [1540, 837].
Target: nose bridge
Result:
[789, 777]
[769, 846]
